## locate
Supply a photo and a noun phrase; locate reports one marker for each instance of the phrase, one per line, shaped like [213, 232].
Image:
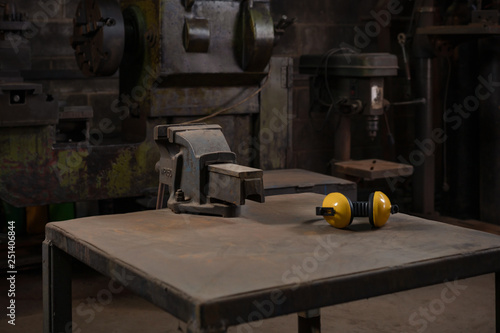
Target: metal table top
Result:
[215, 271]
[289, 181]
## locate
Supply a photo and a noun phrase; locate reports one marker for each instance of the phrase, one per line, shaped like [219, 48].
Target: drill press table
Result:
[277, 258]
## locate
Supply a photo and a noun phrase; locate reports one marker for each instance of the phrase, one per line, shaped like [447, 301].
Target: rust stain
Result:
[120, 174]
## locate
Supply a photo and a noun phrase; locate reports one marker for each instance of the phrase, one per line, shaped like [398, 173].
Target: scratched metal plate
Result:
[215, 271]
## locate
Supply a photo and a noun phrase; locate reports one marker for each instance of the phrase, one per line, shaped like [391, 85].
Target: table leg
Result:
[497, 301]
[56, 289]
[310, 321]
[192, 327]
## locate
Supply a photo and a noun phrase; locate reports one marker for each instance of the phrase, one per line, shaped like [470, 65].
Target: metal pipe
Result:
[460, 151]
[309, 321]
[489, 176]
[424, 165]
[415, 101]
[424, 174]
[342, 139]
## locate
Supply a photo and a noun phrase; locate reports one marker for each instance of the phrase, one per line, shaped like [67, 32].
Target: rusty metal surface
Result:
[235, 170]
[24, 104]
[373, 169]
[37, 171]
[200, 172]
[40, 166]
[200, 101]
[289, 181]
[226, 34]
[234, 183]
[98, 37]
[196, 35]
[275, 119]
[212, 271]
[350, 64]
[257, 36]
[56, 288]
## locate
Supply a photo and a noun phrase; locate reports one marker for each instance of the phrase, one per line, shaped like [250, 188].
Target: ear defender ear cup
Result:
[339, 211]
[380, 209]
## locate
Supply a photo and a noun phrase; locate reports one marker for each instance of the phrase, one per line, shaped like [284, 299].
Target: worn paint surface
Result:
[212, 271]
[120, 174]
[33, 172]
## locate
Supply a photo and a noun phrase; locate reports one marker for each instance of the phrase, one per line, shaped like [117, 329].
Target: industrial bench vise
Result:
[200, 171]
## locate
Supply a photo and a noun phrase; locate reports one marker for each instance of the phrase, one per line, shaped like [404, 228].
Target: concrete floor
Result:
[470, 309]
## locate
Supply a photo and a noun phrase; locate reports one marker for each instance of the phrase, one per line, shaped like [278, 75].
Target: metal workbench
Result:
[277, 258]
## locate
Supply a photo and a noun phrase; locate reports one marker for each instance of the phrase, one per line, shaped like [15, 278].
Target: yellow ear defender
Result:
[339, 210]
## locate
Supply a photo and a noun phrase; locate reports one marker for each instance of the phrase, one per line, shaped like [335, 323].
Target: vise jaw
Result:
[200, 172]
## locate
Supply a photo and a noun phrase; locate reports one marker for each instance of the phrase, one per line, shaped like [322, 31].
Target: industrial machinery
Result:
[200, 172]
[177, 61]
[180, 60]
[354, 83]
[339, 210]
[23, 103]
[33, 128]
[346, 84]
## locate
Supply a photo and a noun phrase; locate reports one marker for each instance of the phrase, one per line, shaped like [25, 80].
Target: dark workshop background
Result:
[320, 26]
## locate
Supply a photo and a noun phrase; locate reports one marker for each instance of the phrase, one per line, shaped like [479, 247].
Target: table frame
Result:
[57, 287]
[283, 227]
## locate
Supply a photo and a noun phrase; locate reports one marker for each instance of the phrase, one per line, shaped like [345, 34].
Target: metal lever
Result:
[402, 42]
